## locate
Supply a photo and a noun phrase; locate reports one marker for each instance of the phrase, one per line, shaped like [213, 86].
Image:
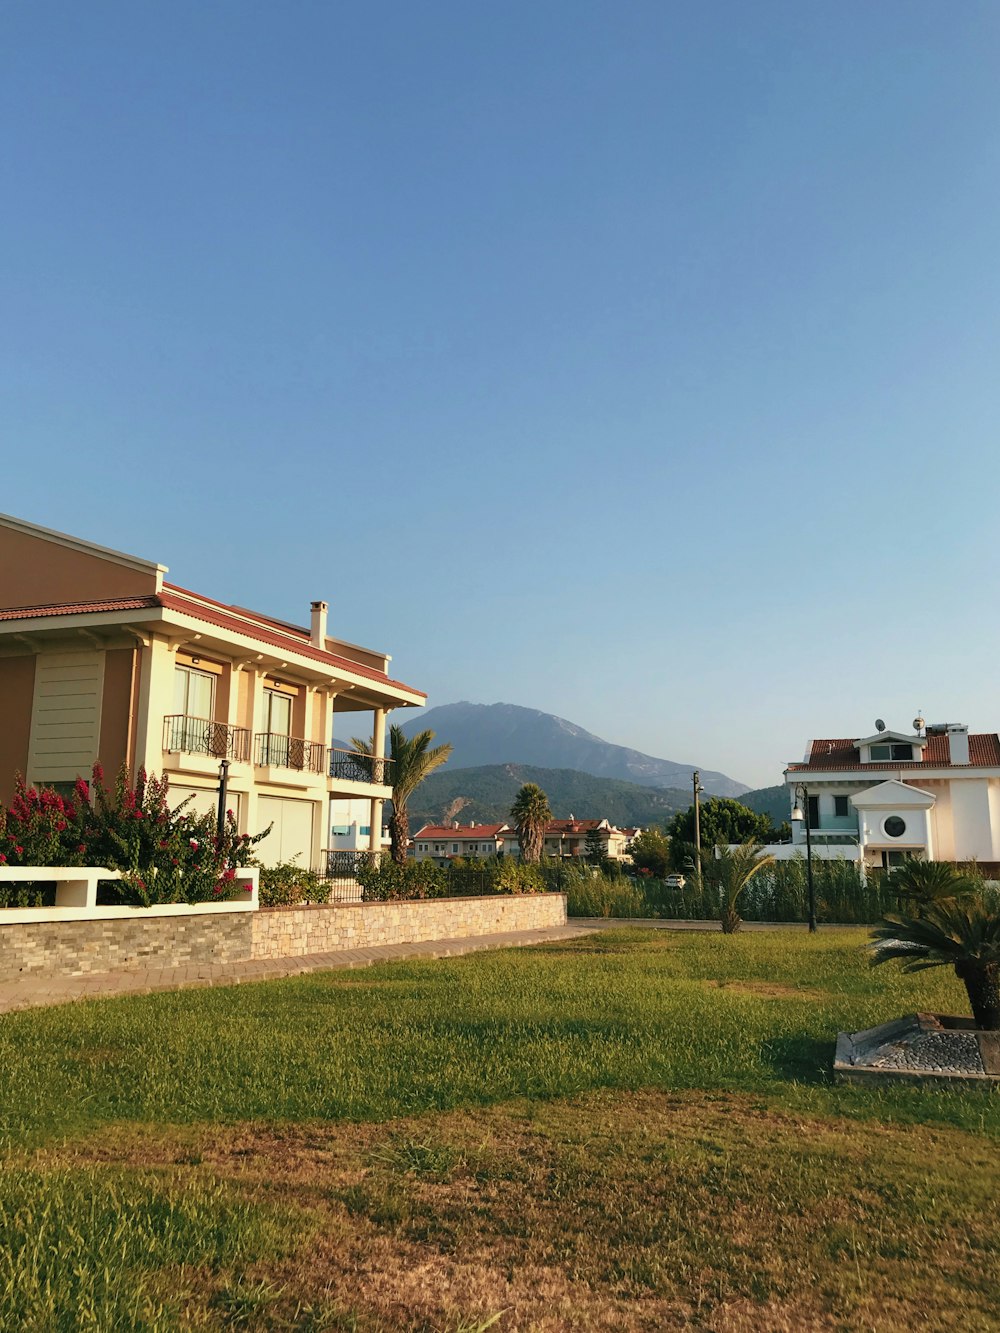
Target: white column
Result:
[378, 752]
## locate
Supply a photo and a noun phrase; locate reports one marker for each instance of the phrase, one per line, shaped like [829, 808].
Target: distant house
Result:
[933, 794]
[564, 840]
[443, 842]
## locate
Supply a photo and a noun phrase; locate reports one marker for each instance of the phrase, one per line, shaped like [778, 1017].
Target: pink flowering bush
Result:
[165, 856]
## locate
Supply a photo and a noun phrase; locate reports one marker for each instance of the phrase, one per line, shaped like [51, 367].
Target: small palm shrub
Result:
[958, 932]
[728, 872]
[918, 884]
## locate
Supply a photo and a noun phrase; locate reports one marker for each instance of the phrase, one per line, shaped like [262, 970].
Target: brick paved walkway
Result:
[28, 992]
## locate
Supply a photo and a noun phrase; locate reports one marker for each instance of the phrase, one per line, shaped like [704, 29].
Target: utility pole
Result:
[698, 789]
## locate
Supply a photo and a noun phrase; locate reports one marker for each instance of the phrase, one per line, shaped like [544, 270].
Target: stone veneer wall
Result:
[73, 948]
[285, 932]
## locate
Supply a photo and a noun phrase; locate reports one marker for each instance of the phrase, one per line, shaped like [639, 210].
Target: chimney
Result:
[958, 743]
[317, 628]
[454, 823]
[472, 823]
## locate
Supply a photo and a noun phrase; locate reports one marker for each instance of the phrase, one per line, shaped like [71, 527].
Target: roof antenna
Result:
[879, 724]
[918, 722]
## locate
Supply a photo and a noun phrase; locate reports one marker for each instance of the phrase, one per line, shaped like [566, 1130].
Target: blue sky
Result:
[635, 362]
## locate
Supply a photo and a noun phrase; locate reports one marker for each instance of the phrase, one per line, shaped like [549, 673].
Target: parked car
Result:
[675, 881]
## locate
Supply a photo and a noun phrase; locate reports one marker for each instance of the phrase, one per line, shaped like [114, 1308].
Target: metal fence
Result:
[200, 735]
[350, 766]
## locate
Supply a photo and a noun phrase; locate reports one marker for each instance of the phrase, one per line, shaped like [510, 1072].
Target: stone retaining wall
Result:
[286, 932]
[74, 948]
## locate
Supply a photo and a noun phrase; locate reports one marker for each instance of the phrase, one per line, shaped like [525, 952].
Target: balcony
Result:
[273, 750]
[349, 766]
[199, 735]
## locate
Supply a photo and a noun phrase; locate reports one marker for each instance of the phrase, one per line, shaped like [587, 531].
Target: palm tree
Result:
[530, 813]
[926, 882]
[730, 871]
[963, 933]
[412, 761]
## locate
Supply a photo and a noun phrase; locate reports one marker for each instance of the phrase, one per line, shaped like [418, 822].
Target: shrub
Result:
[286, 884]
[383, 879]
[164, 855]
[590, 894]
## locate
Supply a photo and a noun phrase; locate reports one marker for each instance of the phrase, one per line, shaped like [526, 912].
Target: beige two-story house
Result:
[102, 659]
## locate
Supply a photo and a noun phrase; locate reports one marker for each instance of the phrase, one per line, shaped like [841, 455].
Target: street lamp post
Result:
[801, 811]
[220, 824]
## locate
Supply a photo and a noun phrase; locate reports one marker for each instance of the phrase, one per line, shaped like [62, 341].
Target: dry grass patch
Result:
[625, 1211]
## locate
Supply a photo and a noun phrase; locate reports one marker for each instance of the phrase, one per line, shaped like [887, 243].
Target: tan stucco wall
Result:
[37, 572]
[17, 688]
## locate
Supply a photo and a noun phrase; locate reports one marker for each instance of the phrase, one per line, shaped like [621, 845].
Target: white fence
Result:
[76, 896]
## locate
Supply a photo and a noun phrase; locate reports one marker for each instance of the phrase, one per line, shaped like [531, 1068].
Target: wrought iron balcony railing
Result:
[271, 747]
[200, 735]
[353, 767]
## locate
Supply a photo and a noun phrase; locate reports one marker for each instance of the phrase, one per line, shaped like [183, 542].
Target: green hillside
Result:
[771, 801]
[486, 795]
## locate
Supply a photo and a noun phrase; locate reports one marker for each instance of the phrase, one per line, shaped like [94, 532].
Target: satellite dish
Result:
[918, 723]
[879, 724]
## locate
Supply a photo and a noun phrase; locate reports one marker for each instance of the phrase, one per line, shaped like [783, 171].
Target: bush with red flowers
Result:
[165, 856]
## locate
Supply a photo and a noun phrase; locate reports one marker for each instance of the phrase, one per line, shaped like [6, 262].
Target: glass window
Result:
[896, 752]
[894, 827]
[193, 692]
[841, 807]
[365, 830]
[454, 848]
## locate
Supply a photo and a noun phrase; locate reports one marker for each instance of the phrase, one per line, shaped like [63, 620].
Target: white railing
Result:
[76, 896]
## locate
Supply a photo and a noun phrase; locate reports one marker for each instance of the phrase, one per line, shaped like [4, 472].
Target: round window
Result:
[894, 827]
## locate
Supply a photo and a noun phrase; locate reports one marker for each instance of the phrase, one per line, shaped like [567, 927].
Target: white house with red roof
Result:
[103, 660]
[443, 842]
[933, 793]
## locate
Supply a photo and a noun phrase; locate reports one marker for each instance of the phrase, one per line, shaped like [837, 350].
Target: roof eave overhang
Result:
[183, 628]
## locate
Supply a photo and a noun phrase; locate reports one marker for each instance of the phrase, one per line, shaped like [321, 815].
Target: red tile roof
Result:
[464, 831]
[78, 608]
[227, 618]
[216, 613]
[984, 752]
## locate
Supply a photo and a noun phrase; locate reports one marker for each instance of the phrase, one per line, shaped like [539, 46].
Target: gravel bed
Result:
[946, 1052]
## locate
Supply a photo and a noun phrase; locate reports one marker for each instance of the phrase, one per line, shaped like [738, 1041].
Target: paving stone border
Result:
[920, 1048]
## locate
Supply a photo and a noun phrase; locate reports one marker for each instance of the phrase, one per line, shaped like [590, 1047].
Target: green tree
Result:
[530, 813]
[958, 932]
[728, 871]
[650, 850]
[723, 821]
[412, 761]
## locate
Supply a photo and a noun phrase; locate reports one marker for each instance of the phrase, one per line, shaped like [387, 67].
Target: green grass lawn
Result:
[636, 1130]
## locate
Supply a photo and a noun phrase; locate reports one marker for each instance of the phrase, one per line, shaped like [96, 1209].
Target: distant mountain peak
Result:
[510, 735]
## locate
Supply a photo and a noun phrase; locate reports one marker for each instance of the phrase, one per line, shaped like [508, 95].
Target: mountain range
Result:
[486, 795]
[487, 735]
